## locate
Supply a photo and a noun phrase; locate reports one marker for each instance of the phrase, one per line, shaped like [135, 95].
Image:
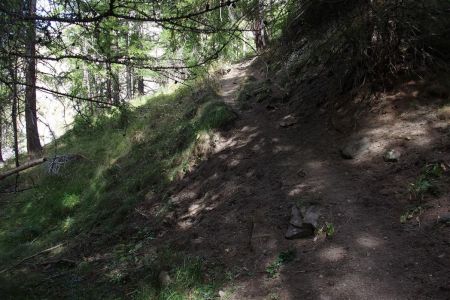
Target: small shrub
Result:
[283, 258]
[327, 229]
[411, 213]
[81, 124]
[426, 182]
[215, 115]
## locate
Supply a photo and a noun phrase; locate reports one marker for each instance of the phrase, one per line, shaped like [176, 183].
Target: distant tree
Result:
[34, 147]
[260, 32]
[1, 139]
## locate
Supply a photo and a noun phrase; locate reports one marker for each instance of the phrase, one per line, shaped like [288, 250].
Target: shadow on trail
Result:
[233, 210]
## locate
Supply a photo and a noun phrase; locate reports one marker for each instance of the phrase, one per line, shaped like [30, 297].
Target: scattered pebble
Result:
[392, 155]
[288, 121]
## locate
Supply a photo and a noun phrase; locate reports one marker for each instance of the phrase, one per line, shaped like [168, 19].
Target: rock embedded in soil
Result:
[303, 222]
[355, 148]
[301, 173]
[444, 219]
[392, 155]
[164, 278]
[311, 216]
[294, 232]
[296, 218]
[288, 121]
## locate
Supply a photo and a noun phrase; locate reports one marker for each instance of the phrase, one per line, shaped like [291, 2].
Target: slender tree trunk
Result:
[108, 83]
[86, 82]
[34, 147]
[86, 74]
[259, 30]
[129, 82]
[115, 77]
[1, 139]
[116, 88]
[14, 109]
[139, 79]
[140, 85]
[129, 69]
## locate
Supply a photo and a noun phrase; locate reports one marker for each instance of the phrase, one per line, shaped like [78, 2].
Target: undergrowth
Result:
[283, 258]
[87, 208]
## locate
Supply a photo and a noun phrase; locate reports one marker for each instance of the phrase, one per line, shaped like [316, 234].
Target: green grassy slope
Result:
[88, 205]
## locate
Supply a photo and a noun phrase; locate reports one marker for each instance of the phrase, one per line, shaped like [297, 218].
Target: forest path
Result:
[234, 209]
[232, 81]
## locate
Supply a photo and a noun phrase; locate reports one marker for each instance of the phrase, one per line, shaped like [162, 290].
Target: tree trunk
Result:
[129, 70]
[34, 147]
[1, 138]
[139, 79]
[140, 85]
[129, 82]
[108, 83]
[259, 30]
[116, 88]
[13, 74]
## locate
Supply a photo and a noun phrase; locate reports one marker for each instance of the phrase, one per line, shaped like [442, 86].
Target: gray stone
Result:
[294, 232]
[444, 219]
[301, 173]
[355, 148]
[392, 155]
[164, 278]
[303, 222]
[288, 121]
[311, 216]
[296, 218]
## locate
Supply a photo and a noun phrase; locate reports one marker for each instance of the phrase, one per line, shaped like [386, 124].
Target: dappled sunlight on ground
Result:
[369, 242]
[244, 191]
[332, 253]
[231, 208]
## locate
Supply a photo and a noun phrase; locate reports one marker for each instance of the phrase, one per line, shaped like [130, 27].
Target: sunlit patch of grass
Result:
[70, 201]
[67, 224]
[186, 282]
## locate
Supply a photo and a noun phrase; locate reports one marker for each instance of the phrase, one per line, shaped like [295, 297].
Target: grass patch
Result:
[426, 182]
[283, 258]
[186, 281]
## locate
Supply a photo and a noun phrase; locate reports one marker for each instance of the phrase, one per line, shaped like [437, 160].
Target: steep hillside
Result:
[69, 230]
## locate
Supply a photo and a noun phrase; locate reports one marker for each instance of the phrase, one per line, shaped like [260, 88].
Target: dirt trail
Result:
[234, 209]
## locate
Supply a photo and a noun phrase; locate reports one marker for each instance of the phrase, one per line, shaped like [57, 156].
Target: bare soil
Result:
[233, 209]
